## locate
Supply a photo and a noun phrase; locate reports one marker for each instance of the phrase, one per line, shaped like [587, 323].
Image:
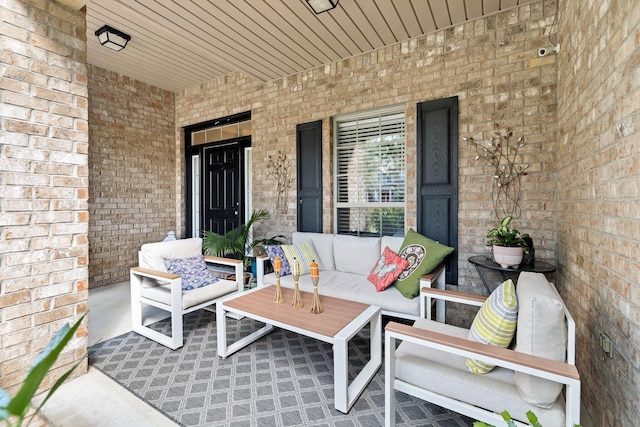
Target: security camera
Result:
[544, 51]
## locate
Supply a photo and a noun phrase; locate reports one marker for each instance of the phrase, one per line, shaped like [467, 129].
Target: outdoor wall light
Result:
[320, 6]
[112, 38]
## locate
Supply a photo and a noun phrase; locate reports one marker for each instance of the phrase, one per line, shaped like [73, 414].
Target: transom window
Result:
[370, 185]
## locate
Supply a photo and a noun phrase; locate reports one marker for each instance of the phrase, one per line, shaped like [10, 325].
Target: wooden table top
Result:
[337, 313]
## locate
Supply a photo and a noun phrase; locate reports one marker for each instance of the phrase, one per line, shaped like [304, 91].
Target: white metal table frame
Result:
[345, 395]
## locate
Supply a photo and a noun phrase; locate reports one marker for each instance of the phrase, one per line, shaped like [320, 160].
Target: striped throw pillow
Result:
[495, 323]
[305, 253]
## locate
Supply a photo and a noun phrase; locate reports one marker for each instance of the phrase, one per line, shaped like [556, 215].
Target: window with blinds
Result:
[370, 174]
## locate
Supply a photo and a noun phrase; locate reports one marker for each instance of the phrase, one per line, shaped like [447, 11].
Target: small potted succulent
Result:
[509, 245]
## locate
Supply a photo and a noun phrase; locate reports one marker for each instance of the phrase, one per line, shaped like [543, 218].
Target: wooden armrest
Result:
[429, 277]
[501, 356]
[221, 260]
[154, 274]
[453, 296]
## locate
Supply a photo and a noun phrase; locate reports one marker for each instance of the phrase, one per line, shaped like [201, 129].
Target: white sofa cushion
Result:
[356, 255]
[446, 374]
[393, 242]
[323, 243]
[352, 287]
[542, 332]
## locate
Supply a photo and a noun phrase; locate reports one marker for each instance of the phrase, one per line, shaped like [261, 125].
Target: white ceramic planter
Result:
[507, 256]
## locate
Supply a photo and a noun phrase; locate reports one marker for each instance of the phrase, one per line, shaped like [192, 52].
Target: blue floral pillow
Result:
[193, 271]
[273, 252]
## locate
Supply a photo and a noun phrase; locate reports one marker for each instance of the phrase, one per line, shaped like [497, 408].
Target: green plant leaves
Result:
[506, 236]
[19, 404]
[236, 241]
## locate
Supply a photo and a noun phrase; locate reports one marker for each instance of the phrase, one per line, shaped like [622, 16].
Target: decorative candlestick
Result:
[295, 272]
[316, 307]
[277, 267]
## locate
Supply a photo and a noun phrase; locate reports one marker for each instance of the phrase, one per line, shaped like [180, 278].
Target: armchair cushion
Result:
[152, 255]
[447, 375]
[423, 255]
[192, 270]
[193, 297]
[389, 266]
[495, 323]
[541, 332]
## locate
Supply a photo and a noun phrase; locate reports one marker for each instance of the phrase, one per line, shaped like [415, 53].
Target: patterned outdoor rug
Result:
[283, 379]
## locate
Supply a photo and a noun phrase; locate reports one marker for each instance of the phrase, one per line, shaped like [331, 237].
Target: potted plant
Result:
[509, 245]
[238, 242]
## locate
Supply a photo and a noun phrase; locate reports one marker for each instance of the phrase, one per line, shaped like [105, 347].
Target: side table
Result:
[482, 261]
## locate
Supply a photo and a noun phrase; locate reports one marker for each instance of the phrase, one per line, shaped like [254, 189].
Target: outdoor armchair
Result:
[429, 360]
[153, 283]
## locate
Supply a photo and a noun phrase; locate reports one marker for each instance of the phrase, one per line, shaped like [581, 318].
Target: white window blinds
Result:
[370, 174]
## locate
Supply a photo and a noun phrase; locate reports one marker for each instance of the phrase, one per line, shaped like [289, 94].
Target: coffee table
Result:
[340, 321]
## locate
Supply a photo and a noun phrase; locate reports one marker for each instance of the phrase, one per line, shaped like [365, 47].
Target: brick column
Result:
[43, 184]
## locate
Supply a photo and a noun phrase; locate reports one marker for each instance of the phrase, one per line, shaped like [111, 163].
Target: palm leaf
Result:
[20, 403]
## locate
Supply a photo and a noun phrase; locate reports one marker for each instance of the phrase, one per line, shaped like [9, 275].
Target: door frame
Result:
[244, 144]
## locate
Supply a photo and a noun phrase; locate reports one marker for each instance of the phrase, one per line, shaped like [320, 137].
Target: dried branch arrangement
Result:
[278, 166]
[502, 154]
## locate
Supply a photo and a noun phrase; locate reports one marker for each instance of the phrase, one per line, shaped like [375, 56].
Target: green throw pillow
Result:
[423, 255]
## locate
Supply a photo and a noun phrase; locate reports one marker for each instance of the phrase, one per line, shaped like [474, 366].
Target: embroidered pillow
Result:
[495, 323]
[423, 255]
[305, 253]
[273, 252]
[389, 266]
[193, 271]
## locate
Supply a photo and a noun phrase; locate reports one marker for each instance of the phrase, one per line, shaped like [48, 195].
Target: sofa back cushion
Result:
[152, 255]
[393, 242]
[354, 254]
[541, 332]
[323, 244]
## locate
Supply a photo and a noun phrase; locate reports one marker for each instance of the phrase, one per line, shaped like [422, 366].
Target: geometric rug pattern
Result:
[283, 379]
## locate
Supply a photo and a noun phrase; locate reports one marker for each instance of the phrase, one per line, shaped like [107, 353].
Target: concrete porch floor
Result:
[95, 400]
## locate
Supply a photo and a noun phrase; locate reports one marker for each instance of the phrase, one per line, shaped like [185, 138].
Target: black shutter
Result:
[437, 177]
[309, 172]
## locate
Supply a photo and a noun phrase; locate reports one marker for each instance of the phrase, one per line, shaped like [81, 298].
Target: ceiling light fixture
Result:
[112, 38]
[320, 6]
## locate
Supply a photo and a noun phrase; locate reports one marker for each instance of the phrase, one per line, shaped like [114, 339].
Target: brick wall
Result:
[598, 158]
[43, 184]
[492, 66]
[132, 174]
